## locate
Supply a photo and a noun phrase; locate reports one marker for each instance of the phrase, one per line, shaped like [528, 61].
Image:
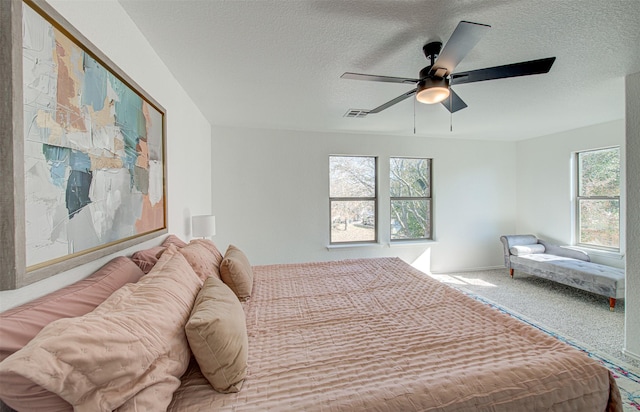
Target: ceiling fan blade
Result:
[374, 78]
[466, 35]
[500, 72]
[394, 101]
[454, 102]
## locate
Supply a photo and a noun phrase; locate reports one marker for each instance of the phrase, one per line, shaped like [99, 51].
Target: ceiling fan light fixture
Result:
[431, 91]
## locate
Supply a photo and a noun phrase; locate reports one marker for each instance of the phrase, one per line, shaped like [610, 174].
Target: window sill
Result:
[354, 246]
[601, 253]
[407, 243]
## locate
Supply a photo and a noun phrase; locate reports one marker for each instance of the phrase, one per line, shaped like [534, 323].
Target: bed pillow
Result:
[204, 257]
[129, 352]
[520, 250]
[235, 271]
[146, 258]
[22, 323]
[174, 240]
[217, 334]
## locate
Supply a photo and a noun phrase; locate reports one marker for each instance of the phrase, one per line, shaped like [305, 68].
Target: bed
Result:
[162, 329]
[379, 335]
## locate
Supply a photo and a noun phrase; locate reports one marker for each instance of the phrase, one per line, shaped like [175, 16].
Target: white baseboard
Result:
[632, 355]
[470, 270]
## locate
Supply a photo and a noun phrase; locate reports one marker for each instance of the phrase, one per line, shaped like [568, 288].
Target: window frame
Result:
[580, 198]
[374, 199]
[428, 199]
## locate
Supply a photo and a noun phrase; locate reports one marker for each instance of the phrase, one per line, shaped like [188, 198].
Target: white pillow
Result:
[520, 250]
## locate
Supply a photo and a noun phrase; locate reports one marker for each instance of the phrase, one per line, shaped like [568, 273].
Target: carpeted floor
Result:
[573, 313]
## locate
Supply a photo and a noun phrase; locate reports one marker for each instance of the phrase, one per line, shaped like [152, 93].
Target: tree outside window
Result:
[352, 198]
[598, 198]
[410, 189]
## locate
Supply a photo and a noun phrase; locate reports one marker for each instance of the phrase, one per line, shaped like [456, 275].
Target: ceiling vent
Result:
[356, 113]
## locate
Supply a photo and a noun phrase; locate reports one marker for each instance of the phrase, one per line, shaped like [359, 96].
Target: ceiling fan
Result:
[435, 81]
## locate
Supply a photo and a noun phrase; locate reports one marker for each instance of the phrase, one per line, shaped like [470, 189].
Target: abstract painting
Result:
[93, 149]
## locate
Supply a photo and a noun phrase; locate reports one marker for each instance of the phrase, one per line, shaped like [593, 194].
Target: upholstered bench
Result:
[564, 265]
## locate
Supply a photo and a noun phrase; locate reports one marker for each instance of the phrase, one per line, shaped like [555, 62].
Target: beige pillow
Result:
[131, 350]
[217, 334]
[204, 257]
[236, 272]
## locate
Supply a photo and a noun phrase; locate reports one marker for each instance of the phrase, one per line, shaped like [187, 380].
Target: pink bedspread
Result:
[379, 335]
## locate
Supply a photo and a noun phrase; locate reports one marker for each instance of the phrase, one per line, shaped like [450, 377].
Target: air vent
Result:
[356, 113]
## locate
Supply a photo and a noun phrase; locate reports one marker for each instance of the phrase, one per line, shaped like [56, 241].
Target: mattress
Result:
[379, 335]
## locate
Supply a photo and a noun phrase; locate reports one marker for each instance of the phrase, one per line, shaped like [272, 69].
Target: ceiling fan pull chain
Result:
[414, 116]
[451, 113]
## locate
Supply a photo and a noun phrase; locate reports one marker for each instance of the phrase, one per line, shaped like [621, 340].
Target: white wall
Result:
[632, 302]
[108, 27]
[545, 187]
[271, 196]
[545, 183]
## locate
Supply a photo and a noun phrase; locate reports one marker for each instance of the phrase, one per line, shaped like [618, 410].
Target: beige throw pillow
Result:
[236, 272]
[217, 334]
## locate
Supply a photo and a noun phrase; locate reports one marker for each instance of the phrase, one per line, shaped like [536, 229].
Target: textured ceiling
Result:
[277, 63]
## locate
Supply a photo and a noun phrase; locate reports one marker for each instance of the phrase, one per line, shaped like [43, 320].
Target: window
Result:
[410, 189]
[598, 198]
[352, 197]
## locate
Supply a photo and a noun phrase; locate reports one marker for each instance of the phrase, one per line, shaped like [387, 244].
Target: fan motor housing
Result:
[424, 73]
[432, 50]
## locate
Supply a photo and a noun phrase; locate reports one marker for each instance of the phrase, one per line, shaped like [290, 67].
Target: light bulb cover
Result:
[432, 90]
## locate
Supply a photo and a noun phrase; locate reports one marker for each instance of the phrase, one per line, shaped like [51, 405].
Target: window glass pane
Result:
[353, 221]
[599, 222]
[352, 176]
[410, 219]
[599, 173]
[410, 177]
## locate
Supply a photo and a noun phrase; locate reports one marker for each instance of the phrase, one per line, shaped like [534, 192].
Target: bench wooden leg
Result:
[511, 273]
[612, 304]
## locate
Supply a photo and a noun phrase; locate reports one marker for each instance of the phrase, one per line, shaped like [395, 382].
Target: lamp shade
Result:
[203, 225]
[432, 90]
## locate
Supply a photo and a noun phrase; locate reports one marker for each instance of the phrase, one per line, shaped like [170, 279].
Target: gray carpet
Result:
[582, 316]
